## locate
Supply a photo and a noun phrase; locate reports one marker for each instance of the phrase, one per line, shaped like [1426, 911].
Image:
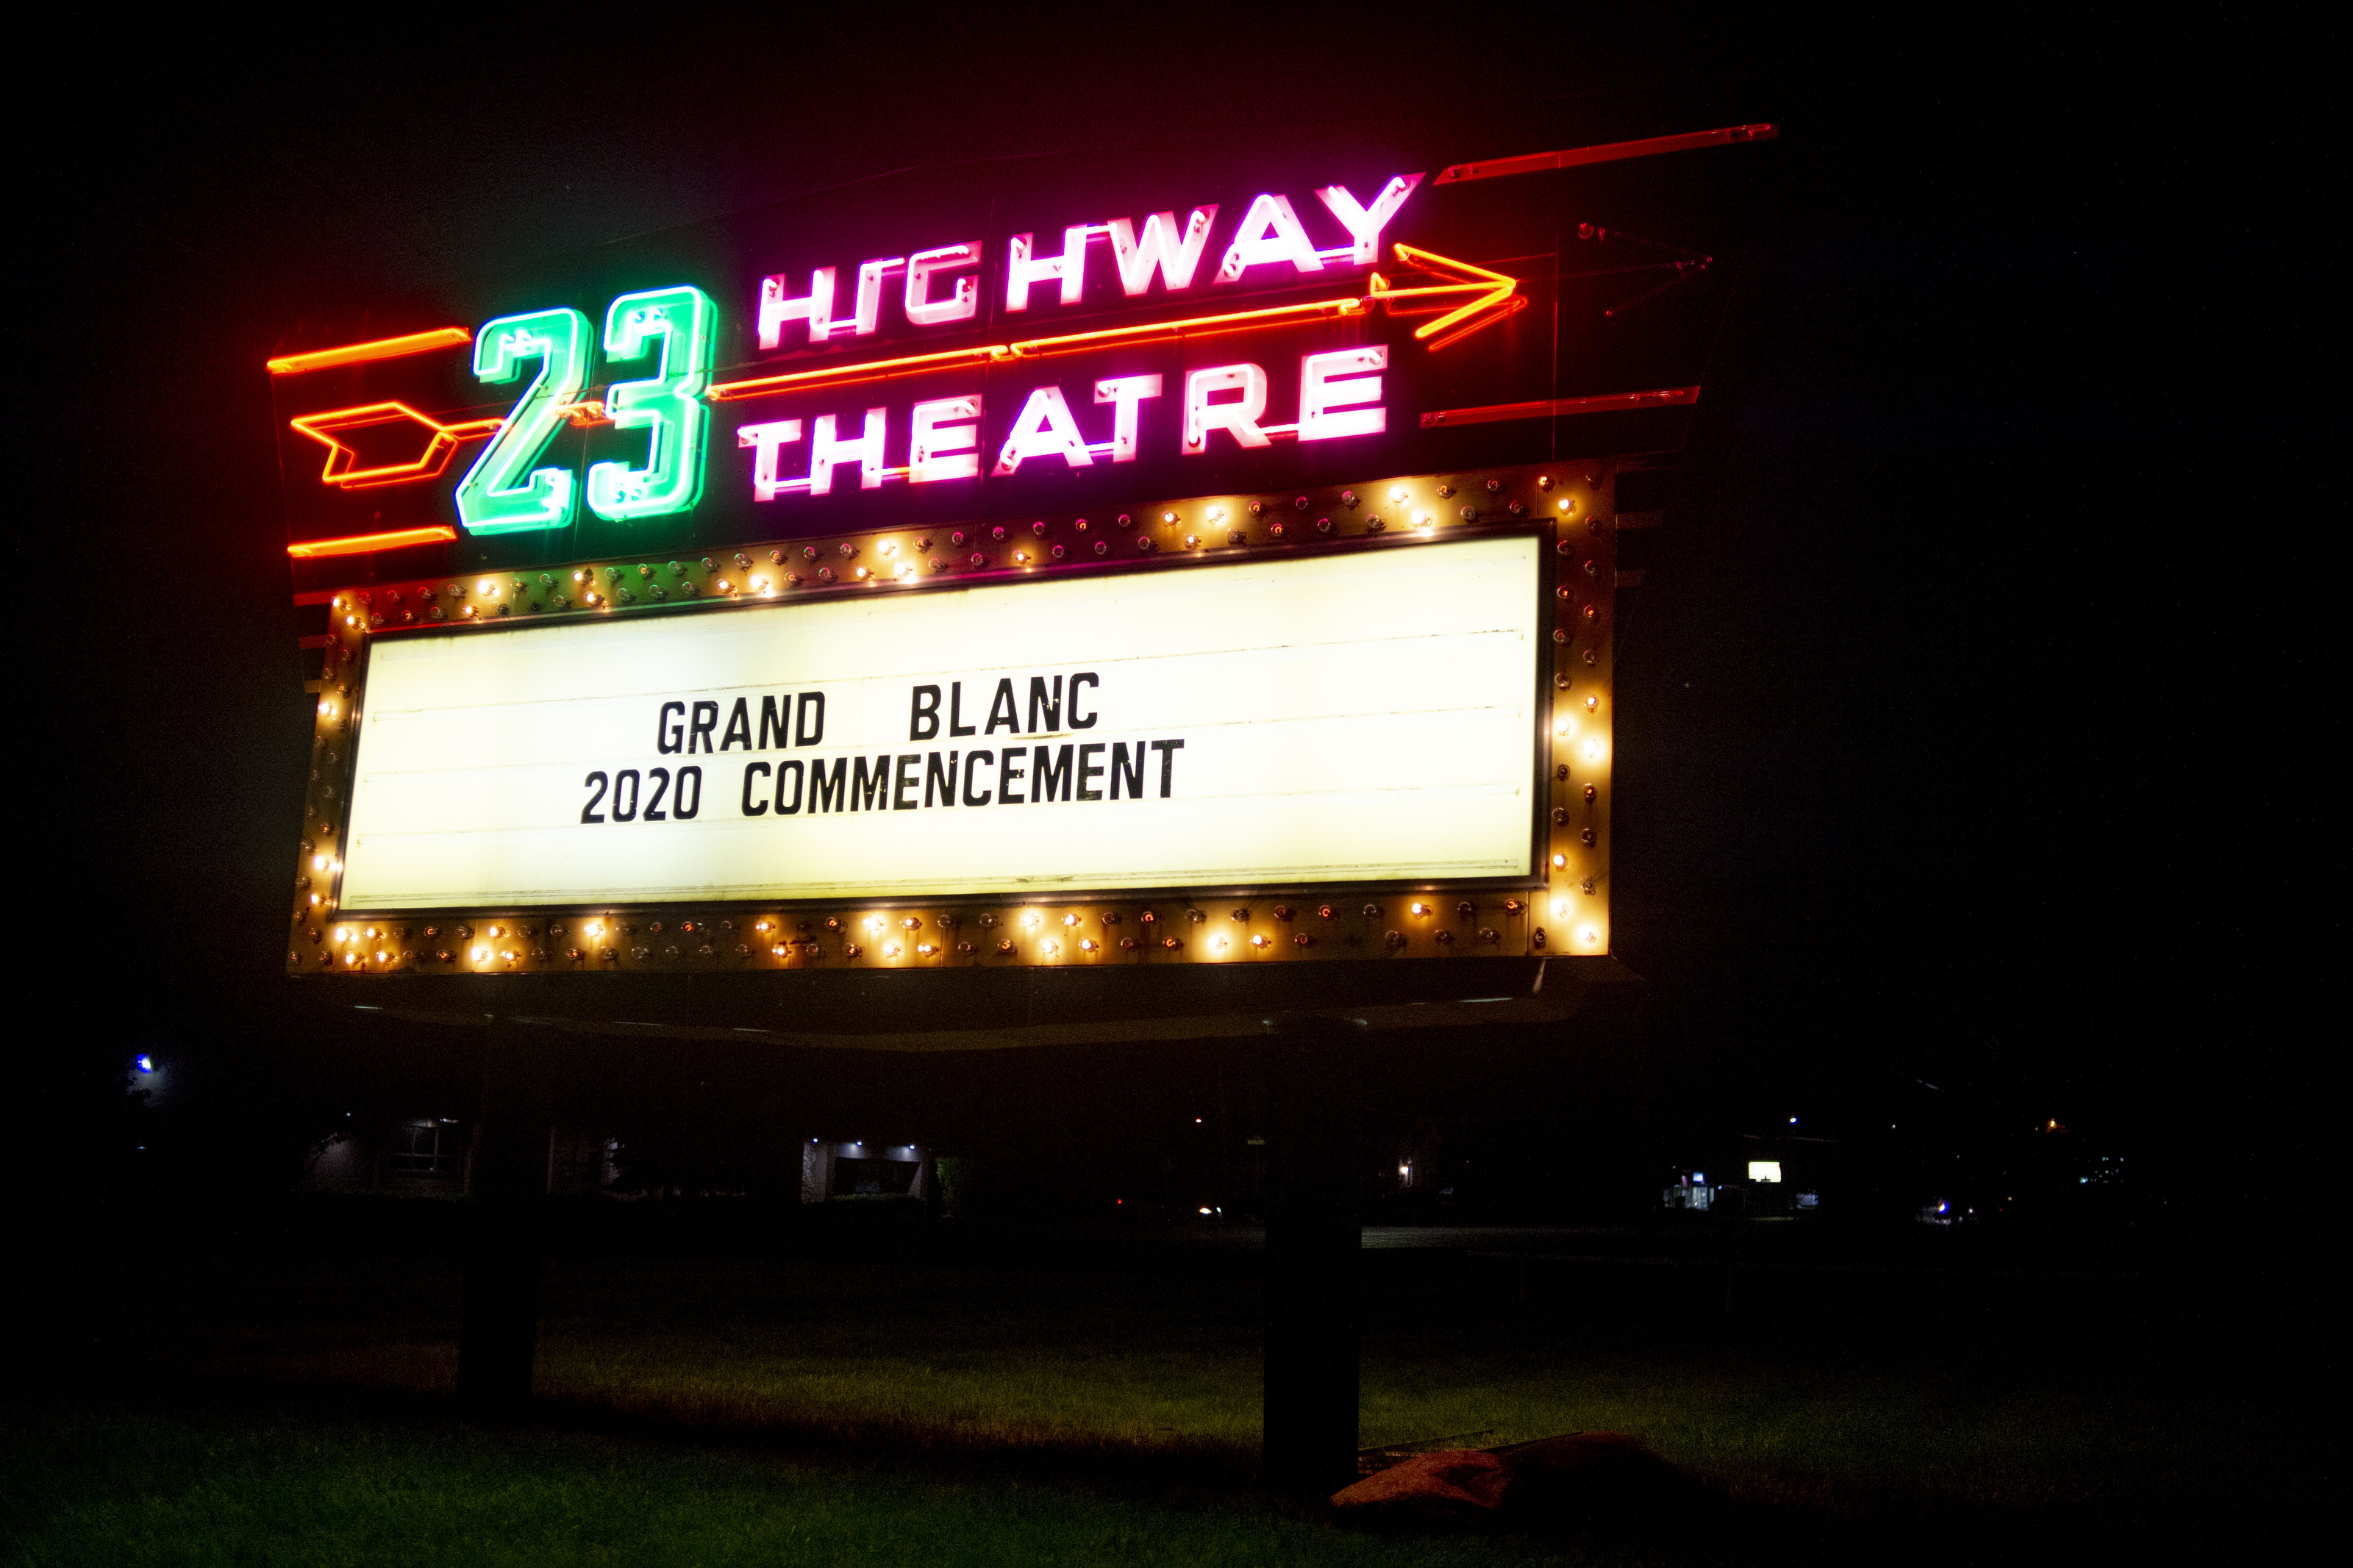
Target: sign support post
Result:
[1312, 1238]
[507, 1191]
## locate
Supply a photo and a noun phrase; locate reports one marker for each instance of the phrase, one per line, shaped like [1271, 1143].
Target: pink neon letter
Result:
[1071, 267]
[943, 426]
[866, 452]
[1124, 393]
[1044, 430]
[1324, 385]
[1269, 233]
[1365, 224]
[870, 291]
[1160, 247]
[815, 308]
[763, 440]
[961, 306]
[1237, 418]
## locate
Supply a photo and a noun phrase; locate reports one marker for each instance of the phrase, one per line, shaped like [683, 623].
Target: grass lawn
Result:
[844, 1413]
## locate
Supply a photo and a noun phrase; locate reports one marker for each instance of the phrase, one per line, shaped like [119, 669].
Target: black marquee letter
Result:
[944, 778]
[739, 727]
[750, 809]
[1052, 706]
[1002, 709]
[903, 781]
[1167, 749]
[773, 722]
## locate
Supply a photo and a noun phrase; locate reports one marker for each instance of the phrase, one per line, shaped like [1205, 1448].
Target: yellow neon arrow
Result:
[1498, 294]
[1493, 289]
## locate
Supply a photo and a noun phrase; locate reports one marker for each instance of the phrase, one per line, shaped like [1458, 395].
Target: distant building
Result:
[830, 1172]
[432, 1157]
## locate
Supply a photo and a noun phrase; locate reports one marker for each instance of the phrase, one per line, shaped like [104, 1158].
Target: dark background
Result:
[1974, 708]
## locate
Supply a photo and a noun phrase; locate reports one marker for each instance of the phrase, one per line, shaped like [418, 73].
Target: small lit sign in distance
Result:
[1364, 717]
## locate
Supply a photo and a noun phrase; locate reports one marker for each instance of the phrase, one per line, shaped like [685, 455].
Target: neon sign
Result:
[1228, 342]
[503, 492]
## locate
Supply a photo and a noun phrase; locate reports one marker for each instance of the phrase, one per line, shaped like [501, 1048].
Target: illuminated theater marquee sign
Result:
[983, 581]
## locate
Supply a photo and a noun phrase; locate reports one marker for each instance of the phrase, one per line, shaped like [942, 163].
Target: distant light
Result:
[147, 1065]
[1205, 1211]
[1793, 1122]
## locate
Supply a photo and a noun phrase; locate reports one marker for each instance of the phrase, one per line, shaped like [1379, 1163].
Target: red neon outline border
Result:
[363, 544]
[382, 348]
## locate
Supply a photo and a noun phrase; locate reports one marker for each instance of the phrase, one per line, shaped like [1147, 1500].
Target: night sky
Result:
[1972, 712]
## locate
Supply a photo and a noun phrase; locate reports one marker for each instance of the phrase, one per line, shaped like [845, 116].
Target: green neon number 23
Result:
[502, 493]
[668, 404]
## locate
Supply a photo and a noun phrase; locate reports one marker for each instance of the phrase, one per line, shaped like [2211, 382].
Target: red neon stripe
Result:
[364, 543]
[1573, 157]
[1551, 409]
[382, 348]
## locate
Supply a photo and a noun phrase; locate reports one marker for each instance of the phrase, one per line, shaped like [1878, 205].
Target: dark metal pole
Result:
[1312, 1238]
[506, 1197]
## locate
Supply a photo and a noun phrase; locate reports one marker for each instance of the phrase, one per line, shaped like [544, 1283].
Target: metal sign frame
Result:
[1564, 908]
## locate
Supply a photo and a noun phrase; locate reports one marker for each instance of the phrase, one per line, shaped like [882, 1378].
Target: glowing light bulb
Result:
[326, 710]
[487, 588]
[1396, 495]
[1560, 909]
[873, 923]
[1030, 920]
[1560, 862]
[481, 953]
[1588, 936]
[1421, 908]
[597, 928]
[342, 933]
[890, 949]
[1593, 748]
[318, 862]
[1219, 943]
